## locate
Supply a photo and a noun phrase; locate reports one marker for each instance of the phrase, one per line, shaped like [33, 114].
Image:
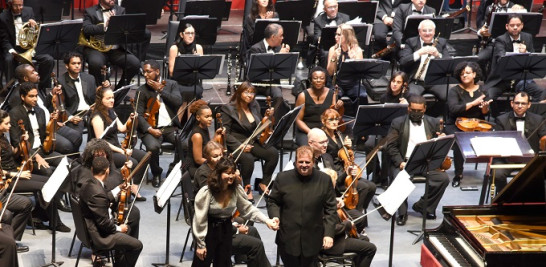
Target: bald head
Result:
[318, 140]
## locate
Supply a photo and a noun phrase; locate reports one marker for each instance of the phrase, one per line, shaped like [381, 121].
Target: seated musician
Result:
[347, 241]
[521, 120]
[161, 125]
[416, 7]
[104, 232]
[241, 118]
[513, 40]
[95, 24]
[101, 118]
[384, 19]
[416, 51]
[315, 101]
[412, 129]
[397, 91]
[467, 99]
[8, 247]
[199, 135]
[261, 9]
[21, 206]
[12, 21]
[346, 48]
[329, 17]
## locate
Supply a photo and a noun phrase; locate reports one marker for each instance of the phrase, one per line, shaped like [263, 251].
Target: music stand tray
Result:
[376, 119]
[192, 68]
[522, 66]
[531, 23]
[440, 70]
[205, 29]
[125, 29]
[58, 38]
[443, 26]
[267, 66]
[152, 9]
[214, 8]
[282, 127]
[295, 10]
[363, 69]
[291, 30]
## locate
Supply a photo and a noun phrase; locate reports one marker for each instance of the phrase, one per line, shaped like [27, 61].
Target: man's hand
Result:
[428, 50]
[75, 119]
[157, 86]
[242, 229]
[201, 253]
[155, 132]
[247, 148]
[327, 242]
[57, 90]
[388, 21]
[124, 228]
[264, 188]
[42, 163]
[128, 152]
[272, 224]
[402, 165]
[285, 48]
[32, 22]
[25, 174]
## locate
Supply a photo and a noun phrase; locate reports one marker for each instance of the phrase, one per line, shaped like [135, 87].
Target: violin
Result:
[152, 109]
[125, 193]
[131, 136]
[58, 100]
[343, 216]
[473, 125]
[51, 128]
[351, 193]
[542, 143]
[24, 149]
[219, 136]
[268, 131]
[446, 164]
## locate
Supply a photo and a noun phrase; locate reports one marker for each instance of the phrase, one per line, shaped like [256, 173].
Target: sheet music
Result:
[108, 128]
[55, 181]
[495, 146]
[62, 22]
[167, 188]
[426, 16]
[397, 192]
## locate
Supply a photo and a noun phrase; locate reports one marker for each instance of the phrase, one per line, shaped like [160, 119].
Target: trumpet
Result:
[27, 38]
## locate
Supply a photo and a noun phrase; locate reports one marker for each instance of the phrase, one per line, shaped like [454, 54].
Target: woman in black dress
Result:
[397, 91]
[199, 135]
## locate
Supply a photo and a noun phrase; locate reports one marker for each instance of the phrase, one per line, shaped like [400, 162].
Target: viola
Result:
[219, 136]
[343, 216]
[268, 131]
[473, 125]
[124, 193]
[542, 143]
[24, 149]
[51, 128]
[130, 138]
[351, 194]
[152, 109]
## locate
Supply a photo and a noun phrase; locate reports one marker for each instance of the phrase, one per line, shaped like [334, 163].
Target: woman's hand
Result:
[201, 253]
[272, 224]
[348, 141]
[269, 14]
[247, 148]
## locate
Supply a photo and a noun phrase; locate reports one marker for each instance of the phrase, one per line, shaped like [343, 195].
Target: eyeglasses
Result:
[249, 93]
[333, 119]
[517, 103]
[332, 7]
[189, 33]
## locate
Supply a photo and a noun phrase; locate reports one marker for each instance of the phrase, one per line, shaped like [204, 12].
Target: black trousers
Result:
[153, 145]
[380, 31]
[251, 246]
[53, 159]
[96, 60]
[8, 248]
[218, 242]
[68, 139]
[127, 249]
[437, 90]
[136, 157]
[297, 261]
[246, 160]
[20, 208]
[501, 175]
[364, 249]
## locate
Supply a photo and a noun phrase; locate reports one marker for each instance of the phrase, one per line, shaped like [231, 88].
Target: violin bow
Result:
[79, 114]
[364, 215]
[261, 126]
[134, 199]
[135, 117]
[180, 111]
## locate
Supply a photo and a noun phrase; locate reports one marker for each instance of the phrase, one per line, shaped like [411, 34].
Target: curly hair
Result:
[459, 69]
[197, 106]
[93, 147]
[99, 106]
[215, 181]
[255, 10]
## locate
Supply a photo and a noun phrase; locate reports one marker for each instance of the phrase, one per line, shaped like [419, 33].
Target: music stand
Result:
[58, 38]
[295, 10]
[205, 29]
[365, 10]
[266, 66]
[531, 23]
[49, 190]
[163, 197]
[282, 127]
[522, 67]
[426, 156]
[363, 33]
[443, 26]
[125, 29]
[214, 8]
[192, 68]
[291, 30]
[121, 93]
[362, 69]
[51, 10]
[152, 9]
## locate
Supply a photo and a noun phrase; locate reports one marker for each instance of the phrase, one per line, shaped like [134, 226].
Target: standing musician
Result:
[411, 129]
[416, 7]
[104, 233]
[303, 202]
[397, 91]
[12, 21]
[315, 101]
[416, 52]
[467, 99]
[214, 205]
[199, 135]
[101, 117]
[523, 121]
[346, 48]
[241, 118]
[95, 24]
[8, 247]
[329, 17]
[157, 118]
[384, 19]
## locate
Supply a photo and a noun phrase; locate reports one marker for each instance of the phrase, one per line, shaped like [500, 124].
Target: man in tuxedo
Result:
[8, 248]
[523, 121]
[411, 129]
[516, 41]
[417, 7]
[415, 52]
[104, 233]
[11, 23]
[17, 214]
[383, 23]
[304, 202]
[169, 99]
[95, 23]
[329, 17]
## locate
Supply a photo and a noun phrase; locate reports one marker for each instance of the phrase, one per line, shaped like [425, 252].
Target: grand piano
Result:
[509, 232]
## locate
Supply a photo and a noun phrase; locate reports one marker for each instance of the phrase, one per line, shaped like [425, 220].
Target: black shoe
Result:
[62, 228]
[416, 208]
[384, 214]
[456, 181]
[62, 206]
[141, 198]
[431, 216]
[375, 202]
[402, 219]
[22, 248]
[38, 225]
[156, 181]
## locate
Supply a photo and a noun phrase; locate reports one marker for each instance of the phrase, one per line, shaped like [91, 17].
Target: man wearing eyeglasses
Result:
[523, 121]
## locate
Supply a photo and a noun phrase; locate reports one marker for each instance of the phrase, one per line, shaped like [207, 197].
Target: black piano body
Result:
[509, 232]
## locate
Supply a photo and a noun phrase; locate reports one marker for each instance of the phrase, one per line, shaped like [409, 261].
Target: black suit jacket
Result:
[170, 96]
[8, 27]
[321, 21]
[93, 16]
[503, 44]
[238, 131]
[386, 7]
[19, 112]
[70, 92]
[400, 127]
[507, 122]
[306, 207]
[402, 12]
[413, 44]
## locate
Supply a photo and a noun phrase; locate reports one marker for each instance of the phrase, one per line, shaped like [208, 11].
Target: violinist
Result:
[335, 146]
[344, 241]
[95, 205]
[160, 124]
[102, 116]
[467, 99]
[241, 118]
[397, 91]
[199, 135]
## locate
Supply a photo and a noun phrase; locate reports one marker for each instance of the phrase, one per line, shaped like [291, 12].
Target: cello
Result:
[267, 132]
[24, 149]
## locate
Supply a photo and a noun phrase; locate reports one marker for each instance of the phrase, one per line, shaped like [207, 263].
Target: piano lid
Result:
[528, 186]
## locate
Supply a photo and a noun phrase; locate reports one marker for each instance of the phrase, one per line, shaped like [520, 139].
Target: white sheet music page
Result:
[495, 146]
[397, 192]
[170, 184]
[54, 182]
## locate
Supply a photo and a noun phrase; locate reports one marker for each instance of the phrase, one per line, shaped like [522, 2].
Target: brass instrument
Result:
[28, 38]
[421, 71]
[93, 42]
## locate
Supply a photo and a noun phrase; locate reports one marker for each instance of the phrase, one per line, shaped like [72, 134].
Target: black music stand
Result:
[362, 69]
[363, 33]
[152, 9]
[291, 30]
[193, 68]
[58, 38]
[266, 66]
[295, 10]
[365, 10]
[51, 10]
[522, 67]
[163, 197]
[280, 131]
[426, 156]
[205, 29]
[531, 23]
[120, 94]
[214, 8]
[443, 26]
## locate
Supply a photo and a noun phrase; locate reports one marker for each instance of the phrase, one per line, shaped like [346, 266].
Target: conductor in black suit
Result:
[104, 233]
[11, 23]
[95, 23]
[417, 7]
[303, 199]
[523, 121]
[384, 19]
[415, 52]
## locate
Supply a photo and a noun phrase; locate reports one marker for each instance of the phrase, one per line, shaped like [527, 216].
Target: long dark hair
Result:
[404, 81]
[254, 10]
[237, 97]
[215, 182]
[99, 107]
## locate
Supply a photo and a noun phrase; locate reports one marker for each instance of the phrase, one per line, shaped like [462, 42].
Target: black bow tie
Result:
[270, 48]
[106, 10]
[16, 16]
[31, 111]
[77, 80]
[519, 118]
[516, 41]
[328, 21]
[417, 11]
[427, 44]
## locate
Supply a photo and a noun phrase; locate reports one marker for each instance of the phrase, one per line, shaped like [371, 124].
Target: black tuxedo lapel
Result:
[99, 13]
